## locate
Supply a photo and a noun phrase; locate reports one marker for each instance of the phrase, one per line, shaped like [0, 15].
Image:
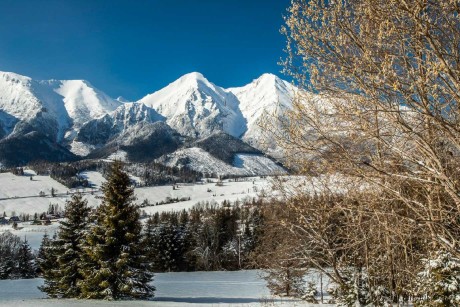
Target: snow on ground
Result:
[93, 177]
[20, 186]
[200, 192]
[119, 155]
[240, 190]
[239, 288]
[257, 164]
[19, 194]
[32, 233]
[243, 165]
[81, 149]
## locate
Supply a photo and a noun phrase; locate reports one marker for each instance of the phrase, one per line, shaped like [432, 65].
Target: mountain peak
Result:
[193, 75]
[268, 79]
[11, 76]
[193, 80]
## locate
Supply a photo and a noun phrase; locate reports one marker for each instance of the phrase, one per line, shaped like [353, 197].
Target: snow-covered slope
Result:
[34, 106]
[101, 130]
[16, 96]
[83, 101]
[196, 107]
[265, 98]
[52, 107]
[200, 160]
[141, 142]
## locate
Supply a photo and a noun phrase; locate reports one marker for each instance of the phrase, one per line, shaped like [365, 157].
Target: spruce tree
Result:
[47, 258]
[72, 230]
[439, 282]
[10, 245]
[41, 254]
[115, 265]
[25, 266]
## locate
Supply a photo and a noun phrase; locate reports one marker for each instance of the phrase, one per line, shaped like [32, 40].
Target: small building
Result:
[3, 221]
[14, 219]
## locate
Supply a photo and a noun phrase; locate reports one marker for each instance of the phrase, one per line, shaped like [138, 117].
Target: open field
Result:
[240, 288]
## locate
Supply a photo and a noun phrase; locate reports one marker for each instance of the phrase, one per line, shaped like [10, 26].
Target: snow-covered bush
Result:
[286, 281]
[311, 293]
[439, 282]
[356, 290]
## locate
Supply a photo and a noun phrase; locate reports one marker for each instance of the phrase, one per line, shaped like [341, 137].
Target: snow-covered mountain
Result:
[196, 107]
[100, 130]
[26, 105]
[222, 154]
[82, 101]
[53, 107]
[76, 118]
[265, 98]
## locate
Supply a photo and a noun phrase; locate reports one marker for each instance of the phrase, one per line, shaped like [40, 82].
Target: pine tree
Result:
[47, 258]
[439, 283]
[114, 264]
[310, 293]
[25, 266]
[9, 248]
[69, 254]
[285, 281]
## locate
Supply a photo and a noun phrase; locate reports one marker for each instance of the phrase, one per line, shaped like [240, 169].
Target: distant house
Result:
[14, 219]
[3, 221]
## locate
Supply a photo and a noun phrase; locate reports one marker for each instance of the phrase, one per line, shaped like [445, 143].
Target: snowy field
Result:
[19, 194]
[241, 288]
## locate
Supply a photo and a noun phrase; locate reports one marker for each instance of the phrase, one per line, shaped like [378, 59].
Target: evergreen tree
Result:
[47, 258]
[25, 266]
[311, 293]
[72, 230]
[148, 240]
[6, 267]
[114, 262]
[439, 283]
[285, 281]
[168, 247]
[9, 249]
[41, 254]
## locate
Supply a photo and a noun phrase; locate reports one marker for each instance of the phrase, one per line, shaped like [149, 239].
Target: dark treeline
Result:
[16, 258]
[152, 173]
[207, 237]
[68, 173]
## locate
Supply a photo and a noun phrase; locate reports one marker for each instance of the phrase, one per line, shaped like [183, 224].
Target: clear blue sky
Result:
[135, 47]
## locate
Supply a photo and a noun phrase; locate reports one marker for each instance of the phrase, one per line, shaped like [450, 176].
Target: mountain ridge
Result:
[79, 118]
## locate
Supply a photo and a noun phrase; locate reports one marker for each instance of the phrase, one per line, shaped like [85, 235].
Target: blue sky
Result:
[135, 47]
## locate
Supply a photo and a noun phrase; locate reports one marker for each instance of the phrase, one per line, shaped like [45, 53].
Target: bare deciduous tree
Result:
[379, 105]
